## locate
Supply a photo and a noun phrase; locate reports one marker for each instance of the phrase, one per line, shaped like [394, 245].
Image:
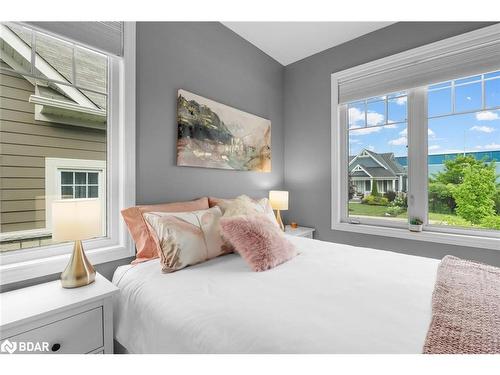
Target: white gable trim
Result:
[360, 167]
[45, 68]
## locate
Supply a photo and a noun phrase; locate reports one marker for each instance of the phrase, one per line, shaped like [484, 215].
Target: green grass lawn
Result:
[359, 209]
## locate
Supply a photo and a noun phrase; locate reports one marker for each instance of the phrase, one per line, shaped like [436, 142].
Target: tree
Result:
[374, 191]
[454, 169]
[474, 196]
[443, 183]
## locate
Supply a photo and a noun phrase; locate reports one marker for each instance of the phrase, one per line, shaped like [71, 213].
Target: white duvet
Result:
[329, 299]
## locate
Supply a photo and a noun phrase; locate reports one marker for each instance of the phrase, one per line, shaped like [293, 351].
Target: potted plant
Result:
[416, 224]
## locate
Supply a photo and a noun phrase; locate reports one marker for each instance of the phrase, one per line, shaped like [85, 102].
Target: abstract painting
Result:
[214, 135]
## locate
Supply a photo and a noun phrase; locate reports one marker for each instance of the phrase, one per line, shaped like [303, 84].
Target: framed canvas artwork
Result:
[214, 135]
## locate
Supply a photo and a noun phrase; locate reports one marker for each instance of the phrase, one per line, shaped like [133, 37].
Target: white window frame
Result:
[417, 159]
[26, 264]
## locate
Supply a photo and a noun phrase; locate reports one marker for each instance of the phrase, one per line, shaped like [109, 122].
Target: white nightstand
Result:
[47, 318]
[300, 231]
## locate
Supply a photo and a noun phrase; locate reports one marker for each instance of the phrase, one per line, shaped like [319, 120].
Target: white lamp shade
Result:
[76, 219]
[278, 199]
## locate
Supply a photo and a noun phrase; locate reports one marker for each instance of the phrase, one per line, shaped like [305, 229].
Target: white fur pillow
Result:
[245, 206]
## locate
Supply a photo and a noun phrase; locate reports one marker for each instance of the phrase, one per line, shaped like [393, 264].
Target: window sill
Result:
[25, 234]
[426, 235]
[15, 272]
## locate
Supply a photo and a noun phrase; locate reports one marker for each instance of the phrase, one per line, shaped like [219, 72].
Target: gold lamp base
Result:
[278, 219]
[79, 271]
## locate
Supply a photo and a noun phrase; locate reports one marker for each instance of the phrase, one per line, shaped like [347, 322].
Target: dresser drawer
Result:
[77, 334]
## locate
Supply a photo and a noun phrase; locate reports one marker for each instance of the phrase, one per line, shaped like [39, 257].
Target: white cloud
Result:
[398, 141]
[482, 129]
[434, 147]
[491, 146]
[452, 151]
[374, 118]
[487, 116]
[404, 133]
[401, 101]
[370, 147]
[355, 115]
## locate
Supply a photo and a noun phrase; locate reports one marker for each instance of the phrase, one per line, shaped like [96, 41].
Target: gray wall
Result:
[307, 133]
[210, 60]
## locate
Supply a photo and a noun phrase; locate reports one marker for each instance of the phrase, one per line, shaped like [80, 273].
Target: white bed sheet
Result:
[331, 298]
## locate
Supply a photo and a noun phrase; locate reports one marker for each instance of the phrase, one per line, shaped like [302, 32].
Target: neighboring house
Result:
[369, 167]
[53, 137]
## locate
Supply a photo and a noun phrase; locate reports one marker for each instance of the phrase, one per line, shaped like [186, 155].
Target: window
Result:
[55, 101]
[79, 184]
[67, 131]
[464, 153]
[425, 148]
[377, 176]
[74, 179]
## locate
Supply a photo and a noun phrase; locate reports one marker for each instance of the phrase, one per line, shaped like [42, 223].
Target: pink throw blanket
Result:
[465, 309]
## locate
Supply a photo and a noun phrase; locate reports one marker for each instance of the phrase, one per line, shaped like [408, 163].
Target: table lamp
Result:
[279, 201]
[76, 220]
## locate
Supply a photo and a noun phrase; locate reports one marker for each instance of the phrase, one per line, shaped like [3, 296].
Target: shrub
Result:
[375, 200]
[394, 211]
[390, 195]
[352, 189]
[441, 197]
[474, 196]
[491, 222]
[400, 201]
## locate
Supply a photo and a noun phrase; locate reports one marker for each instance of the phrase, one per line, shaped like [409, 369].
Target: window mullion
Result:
[344, 161]
[417, 153]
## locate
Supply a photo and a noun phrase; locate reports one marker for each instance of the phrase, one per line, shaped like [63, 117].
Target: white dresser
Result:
[300, 231]
[48, 319]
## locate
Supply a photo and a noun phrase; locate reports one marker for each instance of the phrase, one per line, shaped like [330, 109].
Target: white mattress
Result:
[329, 299]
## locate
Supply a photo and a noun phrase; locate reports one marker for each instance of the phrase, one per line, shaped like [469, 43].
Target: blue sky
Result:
[476, 131]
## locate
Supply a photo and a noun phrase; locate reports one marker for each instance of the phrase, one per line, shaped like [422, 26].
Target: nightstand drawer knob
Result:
[55, 347]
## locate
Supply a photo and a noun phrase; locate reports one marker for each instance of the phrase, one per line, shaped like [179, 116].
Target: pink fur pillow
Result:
[258, 240]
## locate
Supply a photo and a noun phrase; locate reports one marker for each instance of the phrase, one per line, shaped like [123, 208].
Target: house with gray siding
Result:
[368, 168]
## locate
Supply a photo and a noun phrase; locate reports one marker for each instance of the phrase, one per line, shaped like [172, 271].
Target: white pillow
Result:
[243, 205]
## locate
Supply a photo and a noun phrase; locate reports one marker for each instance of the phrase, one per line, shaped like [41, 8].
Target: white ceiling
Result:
[288, 42]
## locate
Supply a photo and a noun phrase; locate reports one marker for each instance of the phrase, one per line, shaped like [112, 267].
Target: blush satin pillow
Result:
[186, 238]
[259, 242]
[146, 246]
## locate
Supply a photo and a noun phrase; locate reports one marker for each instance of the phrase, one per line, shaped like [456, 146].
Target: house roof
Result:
[376, 165]
[53, 61]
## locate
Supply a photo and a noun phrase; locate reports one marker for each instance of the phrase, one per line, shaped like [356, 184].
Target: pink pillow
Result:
[259, 242]
[145, 240]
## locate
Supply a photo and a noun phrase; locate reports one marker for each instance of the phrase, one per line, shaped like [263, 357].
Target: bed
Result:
[331, 298]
